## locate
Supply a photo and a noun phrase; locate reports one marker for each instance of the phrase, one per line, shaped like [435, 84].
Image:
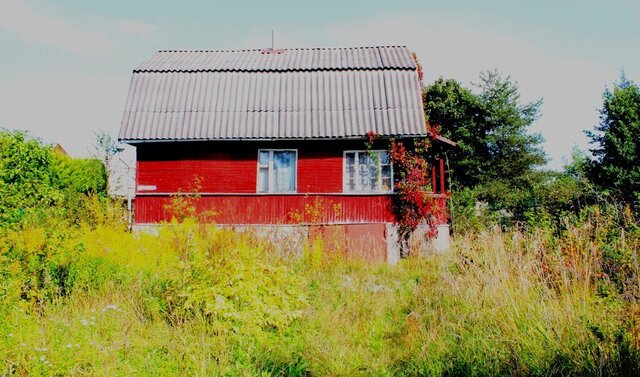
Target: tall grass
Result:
[198, 300]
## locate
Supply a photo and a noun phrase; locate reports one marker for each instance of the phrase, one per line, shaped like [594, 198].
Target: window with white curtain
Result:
[367, 171]
[277, 170]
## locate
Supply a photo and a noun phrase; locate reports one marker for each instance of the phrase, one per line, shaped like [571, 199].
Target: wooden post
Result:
[434, 188]
[442, 190]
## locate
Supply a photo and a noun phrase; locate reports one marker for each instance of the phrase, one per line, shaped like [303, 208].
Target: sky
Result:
[65, 65]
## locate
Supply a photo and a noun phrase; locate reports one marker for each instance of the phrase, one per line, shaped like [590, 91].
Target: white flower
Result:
[348, 283]
[84, 322]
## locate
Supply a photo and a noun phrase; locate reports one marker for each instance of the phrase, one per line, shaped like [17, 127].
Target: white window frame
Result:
[270, 188]
[345, 176]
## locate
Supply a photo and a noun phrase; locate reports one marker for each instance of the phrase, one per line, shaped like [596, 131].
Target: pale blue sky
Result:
[65, 66]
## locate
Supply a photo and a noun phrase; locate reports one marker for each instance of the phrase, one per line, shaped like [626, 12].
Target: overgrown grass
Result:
[199, 300]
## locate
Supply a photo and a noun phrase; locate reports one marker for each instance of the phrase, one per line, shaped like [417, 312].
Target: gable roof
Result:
[274, 94]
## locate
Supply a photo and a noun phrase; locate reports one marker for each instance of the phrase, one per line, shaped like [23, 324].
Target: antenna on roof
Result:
[272, 50]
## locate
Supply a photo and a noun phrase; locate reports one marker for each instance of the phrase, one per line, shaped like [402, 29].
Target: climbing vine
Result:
[413, 203]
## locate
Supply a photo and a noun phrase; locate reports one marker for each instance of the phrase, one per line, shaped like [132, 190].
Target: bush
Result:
[234, 285]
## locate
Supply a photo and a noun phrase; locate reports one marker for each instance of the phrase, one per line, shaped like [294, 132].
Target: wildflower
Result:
[375, 288]
[348, 283]
[84, 322]
[43, 349]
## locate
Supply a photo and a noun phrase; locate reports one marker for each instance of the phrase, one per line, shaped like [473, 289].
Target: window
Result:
[367, 171]
[277, 170]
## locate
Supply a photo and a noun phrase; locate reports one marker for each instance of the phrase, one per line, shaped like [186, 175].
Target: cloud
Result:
[134, 27]
[35, 26]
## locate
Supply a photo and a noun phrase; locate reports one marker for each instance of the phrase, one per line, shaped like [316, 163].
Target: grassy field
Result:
[198, 300]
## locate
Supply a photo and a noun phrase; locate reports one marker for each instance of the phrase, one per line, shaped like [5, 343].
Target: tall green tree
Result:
[491, 127]
[513, 151]
[455, 110]
[497, 157]
[617, 142]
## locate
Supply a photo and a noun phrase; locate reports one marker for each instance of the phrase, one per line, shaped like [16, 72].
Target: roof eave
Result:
[175, 140]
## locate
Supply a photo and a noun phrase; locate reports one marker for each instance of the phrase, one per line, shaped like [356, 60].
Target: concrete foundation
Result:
[442, 242]
[372, 242]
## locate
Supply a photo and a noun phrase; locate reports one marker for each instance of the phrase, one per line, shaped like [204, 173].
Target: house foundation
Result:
[374, 243]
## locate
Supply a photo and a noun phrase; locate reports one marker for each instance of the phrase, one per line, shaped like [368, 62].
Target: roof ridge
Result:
[283, 48]
[273, 70]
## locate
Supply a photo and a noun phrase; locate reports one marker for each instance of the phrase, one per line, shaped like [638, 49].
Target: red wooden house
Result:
[271, 134]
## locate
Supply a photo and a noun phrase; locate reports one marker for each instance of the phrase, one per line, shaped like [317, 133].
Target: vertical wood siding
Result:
[231, 167]
[227, 174]
[282, 209]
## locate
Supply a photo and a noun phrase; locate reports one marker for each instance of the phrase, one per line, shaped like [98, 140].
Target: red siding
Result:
[282, 209]
[216, 175]
[227, 173]
[231, 167]
[173, 167]
[320, 171]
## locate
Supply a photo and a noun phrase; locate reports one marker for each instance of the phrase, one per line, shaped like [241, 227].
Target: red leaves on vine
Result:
[371, 135]
[418, 68]
[414, 202]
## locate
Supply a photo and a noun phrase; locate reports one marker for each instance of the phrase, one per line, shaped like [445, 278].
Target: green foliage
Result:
[25, 177]
[456, 110]
[496, 159]
[37, 183]
[195, 299]
[79, 175]
[491, 129]
[617, 151]
[513, 152]
[548, 201]
[235, 287]
[33, 266]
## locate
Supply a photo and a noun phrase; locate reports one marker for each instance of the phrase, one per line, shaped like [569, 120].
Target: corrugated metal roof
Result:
[296, 59]
[310, 93]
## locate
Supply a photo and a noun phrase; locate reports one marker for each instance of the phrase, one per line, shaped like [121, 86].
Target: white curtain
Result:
[284, 171]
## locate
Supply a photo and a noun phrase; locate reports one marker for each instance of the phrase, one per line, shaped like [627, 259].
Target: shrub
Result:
[228, 279]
